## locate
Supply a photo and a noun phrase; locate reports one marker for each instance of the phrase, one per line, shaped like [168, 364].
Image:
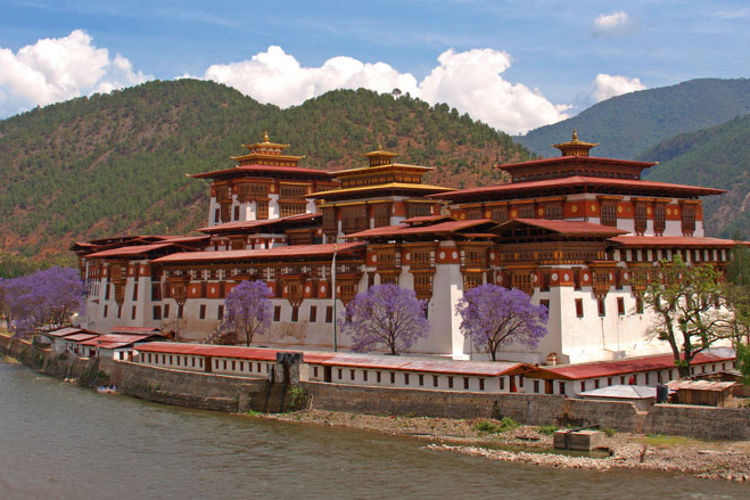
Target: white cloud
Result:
[470, 81]
[56, 69]
[607, 24]
[606, 86]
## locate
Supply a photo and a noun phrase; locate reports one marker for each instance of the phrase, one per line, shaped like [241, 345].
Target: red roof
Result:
[623, 366]
[186, 239]
[225, 351]
[280, 252]
[129, 250]
[577, 159]
[312, 172]
[425, 218]
[567, 227]
[672, 241]
[64, 332]
[251, 224]
[81, 337]
[578, 181]
[105, 340]
[402, 230]
[405, 363]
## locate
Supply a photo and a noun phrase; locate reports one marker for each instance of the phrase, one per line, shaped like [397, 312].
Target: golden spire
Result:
[574, 147]
[265, 136]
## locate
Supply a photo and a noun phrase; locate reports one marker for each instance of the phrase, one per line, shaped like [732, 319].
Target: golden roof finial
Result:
[265, 136]
[575, 134]
[380, 146]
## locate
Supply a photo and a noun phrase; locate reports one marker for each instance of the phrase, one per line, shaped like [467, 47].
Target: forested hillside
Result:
[627, 125]
[715, 157]
[116, 163]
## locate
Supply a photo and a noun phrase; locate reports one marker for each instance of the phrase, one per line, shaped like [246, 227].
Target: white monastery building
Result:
[571, 231]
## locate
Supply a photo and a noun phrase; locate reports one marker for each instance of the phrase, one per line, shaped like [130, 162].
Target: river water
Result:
[61, 441]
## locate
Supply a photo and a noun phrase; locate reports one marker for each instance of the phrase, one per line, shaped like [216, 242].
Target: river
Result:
[61, 441]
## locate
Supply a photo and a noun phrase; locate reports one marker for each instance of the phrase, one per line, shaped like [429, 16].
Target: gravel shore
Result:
[728, 460]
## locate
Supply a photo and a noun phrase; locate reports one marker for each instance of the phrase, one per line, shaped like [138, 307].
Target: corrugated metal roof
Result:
[567, 227]
[577, 180]
[263, 253]
[258, 223]
[441, 227]
[312, 172]
[622, 392]
[701, 385]
[81, 337]
[624, 366]
[64, 332]
[129, 250]
[671, 241]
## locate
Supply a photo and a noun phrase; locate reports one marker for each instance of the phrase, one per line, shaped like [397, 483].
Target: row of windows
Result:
[312, 314]
[406, 378]
[602, 307]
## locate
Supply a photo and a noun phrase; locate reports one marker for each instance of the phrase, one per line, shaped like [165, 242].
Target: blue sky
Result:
[513, 64]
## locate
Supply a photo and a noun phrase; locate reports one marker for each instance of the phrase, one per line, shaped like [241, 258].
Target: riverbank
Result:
[728, 460]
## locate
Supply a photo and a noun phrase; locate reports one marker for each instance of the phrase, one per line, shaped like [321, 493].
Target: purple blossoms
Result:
[493, 315]
[247, 311]
[385, 314]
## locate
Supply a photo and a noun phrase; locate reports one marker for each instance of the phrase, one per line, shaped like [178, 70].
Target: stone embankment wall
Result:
[239, 394]
[532, 409]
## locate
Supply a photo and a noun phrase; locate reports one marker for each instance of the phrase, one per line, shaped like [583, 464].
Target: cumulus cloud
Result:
[607, 24]
[470, 81]
[606, 86]
[56, 69]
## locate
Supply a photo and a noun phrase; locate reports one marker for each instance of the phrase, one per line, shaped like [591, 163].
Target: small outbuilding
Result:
[702, 392]
[642, 396]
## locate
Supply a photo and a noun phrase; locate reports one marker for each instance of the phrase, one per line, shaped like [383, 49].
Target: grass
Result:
[665, 441]
[495, 427]
[548, 429]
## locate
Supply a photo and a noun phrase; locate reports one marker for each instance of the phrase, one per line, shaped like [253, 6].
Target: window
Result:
[596, 384]
[620, 306]
[133, 312]
[688, 219]
[382, 214]
[406, 379]
[217, 213]
[180, 309]
[601, 307]
[450, 382]
[313, 313]
[104, 314]
[466, 382]
[502, 384]
[220, 312]
[579, 308]
[378, 377]
[421, 380]
[295, 313]
[640, 217]
[536, 386]
[351, 374]
[236, 212]
[202, 312]
[135, 292]
[315, 371]
[364, 375]
[561, 387]
[192, 359]
[166, 311]
[329, 314]
[119, 312]
[481, 384]
[660, 220]
[434, 381]
[545, 303]
[393, 378]
[609, 213]
[340, 373]
[277, 313]
[583, 386]
[261, 210]
[553, 211]
[156, 314]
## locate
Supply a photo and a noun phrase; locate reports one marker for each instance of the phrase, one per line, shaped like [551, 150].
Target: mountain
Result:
[713, 157]
[627, 125]
[116, 163]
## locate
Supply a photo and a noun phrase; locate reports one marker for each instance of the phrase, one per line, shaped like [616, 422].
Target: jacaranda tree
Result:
[387, 315]
[44, 298]
[247, 312]
[492, 316]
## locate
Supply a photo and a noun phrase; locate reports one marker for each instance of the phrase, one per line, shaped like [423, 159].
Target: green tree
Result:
[684, 299]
